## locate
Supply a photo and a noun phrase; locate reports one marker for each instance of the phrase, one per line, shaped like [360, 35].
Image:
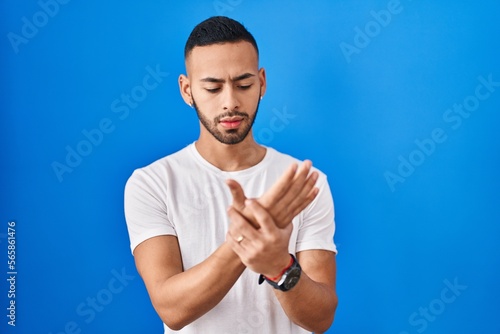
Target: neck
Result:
[230, 158]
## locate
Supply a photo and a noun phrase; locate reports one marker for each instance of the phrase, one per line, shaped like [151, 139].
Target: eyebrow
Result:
[238, 78]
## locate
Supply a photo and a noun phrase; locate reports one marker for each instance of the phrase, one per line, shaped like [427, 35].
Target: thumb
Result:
[239, 199]
[237, 193]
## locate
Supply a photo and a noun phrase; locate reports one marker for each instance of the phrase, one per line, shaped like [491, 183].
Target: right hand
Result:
[291, 194]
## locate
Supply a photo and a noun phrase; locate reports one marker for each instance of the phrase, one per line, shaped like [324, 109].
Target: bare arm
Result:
[312, 302]
[180, 297]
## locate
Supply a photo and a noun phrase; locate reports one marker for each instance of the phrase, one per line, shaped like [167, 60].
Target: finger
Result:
[292, 187]
[310, 182]
[240, 235]
[280, 187]
[305, 191]
[239, 200]
[261, 215]
[240, 226]
[237, 193]
[303, 183]
[300, 190]
[297, 184]
[235, 246]
[299, 205]
[303, 171]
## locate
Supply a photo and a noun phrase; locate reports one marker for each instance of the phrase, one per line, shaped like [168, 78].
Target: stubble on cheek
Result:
[227, 136]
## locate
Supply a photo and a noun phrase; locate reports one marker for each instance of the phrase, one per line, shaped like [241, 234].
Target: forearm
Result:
[188, 295]
[309, 304]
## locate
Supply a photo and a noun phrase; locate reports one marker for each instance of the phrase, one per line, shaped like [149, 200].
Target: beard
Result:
[229, 136]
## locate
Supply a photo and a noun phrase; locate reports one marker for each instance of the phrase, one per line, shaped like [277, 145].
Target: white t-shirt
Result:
[184, 195]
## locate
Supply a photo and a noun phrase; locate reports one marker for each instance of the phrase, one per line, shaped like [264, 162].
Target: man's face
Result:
[225, 86]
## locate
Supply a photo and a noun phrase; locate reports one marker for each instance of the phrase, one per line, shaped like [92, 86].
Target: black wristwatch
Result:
[288, 280]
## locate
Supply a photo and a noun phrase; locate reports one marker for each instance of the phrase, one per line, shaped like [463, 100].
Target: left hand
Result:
[263, 250]
[288, 196]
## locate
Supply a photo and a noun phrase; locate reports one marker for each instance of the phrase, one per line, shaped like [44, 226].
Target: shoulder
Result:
[156, 174]
[170, 162]
[284, 160]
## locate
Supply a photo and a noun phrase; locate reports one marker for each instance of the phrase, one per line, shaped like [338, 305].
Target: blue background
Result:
[357, 116]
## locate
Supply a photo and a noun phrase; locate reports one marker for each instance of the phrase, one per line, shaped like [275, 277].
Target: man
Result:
[261, 217]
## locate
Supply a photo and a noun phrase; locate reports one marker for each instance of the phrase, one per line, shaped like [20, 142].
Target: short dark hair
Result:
[218, 30]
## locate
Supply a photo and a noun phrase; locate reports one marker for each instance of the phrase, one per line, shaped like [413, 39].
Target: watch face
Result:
[291, 283]
[292, 278]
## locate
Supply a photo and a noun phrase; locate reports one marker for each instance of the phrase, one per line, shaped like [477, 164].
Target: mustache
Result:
[231, 114]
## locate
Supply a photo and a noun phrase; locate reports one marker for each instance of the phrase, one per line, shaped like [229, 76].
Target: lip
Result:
[231, 122]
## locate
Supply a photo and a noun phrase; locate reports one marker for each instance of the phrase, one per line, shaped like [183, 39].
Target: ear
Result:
[185, 88]
[262, 79]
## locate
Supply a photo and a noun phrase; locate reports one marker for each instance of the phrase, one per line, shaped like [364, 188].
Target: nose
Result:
[230, 99]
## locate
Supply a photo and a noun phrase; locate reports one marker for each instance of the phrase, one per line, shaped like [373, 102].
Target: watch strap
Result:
[286, 282]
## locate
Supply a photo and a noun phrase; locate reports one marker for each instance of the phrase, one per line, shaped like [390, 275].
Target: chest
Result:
[197, 208]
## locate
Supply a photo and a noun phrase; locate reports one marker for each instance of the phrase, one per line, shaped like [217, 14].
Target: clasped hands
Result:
[260, 228]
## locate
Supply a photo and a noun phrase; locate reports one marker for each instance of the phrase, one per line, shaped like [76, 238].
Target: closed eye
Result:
[212, 90]
[245, 87]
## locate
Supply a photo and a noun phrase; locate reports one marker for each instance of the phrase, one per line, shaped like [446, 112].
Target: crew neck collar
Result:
[240, 173]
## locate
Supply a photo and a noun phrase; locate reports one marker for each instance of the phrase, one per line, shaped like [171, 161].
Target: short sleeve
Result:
[145, 209]
[318, 221]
